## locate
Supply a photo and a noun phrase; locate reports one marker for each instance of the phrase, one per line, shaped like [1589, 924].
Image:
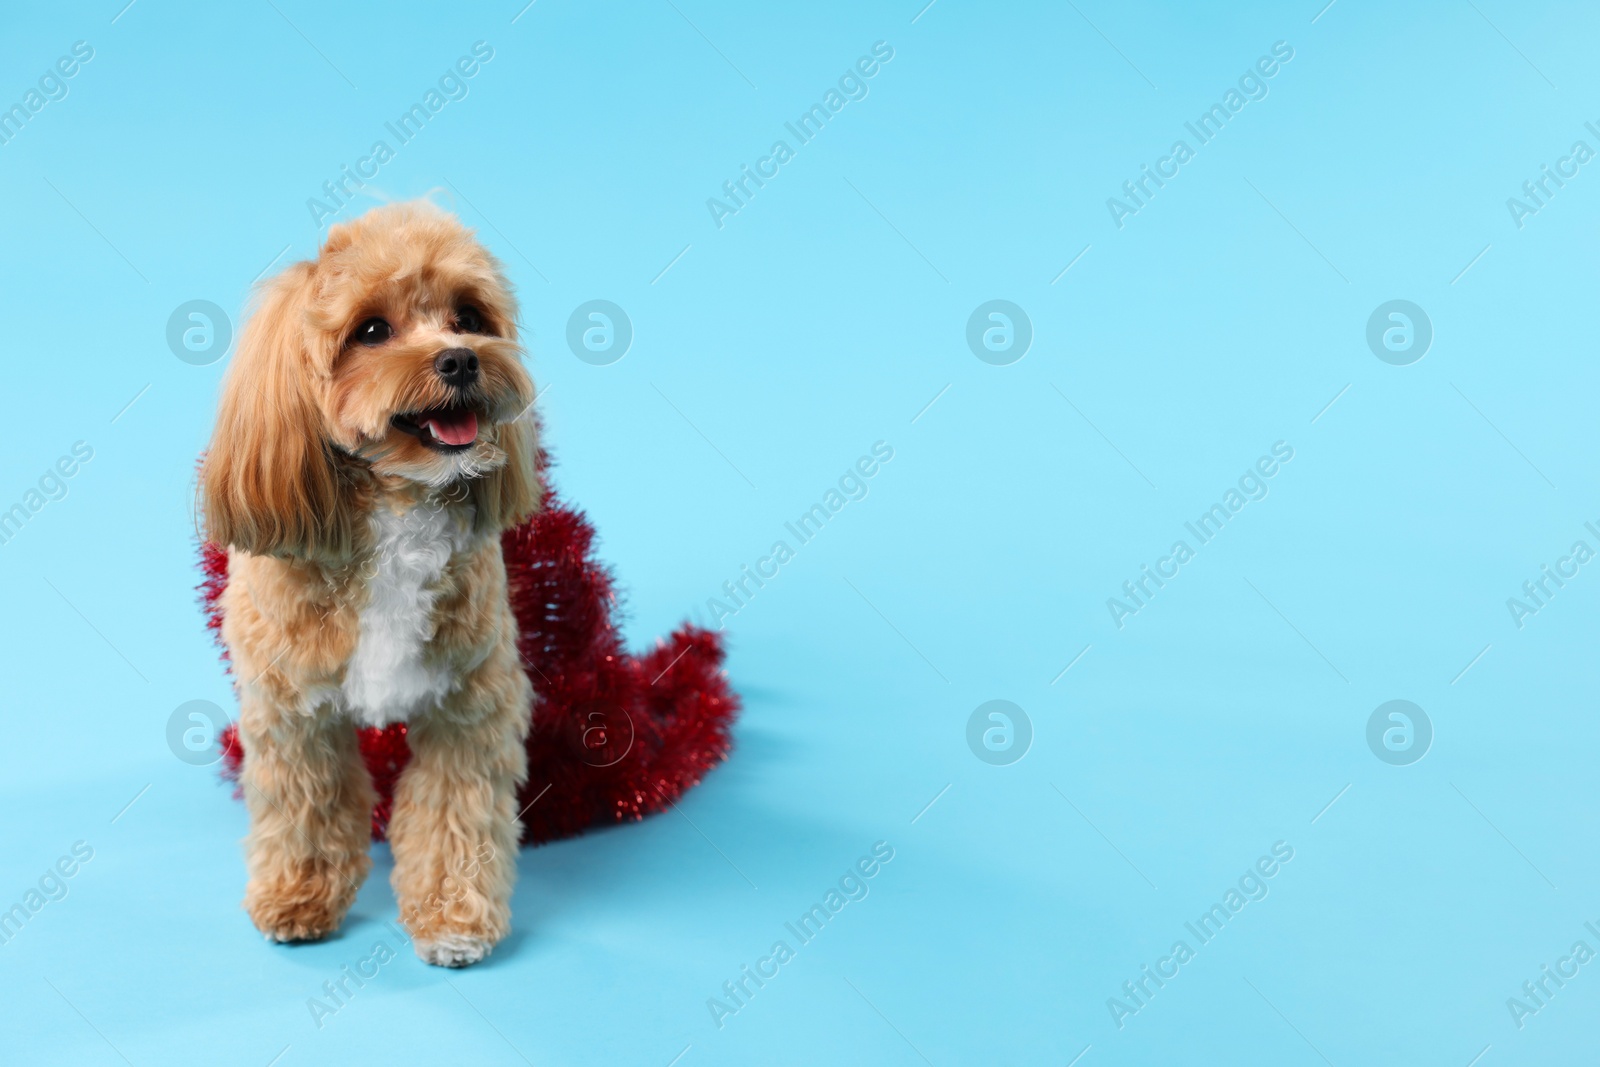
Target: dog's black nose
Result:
[457, 366]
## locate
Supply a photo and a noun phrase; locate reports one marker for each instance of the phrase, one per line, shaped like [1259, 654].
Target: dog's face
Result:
[415, 332]
[396, 346]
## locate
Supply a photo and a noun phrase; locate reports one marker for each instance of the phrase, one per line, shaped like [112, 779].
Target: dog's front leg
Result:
[310, 800]
[454, 829]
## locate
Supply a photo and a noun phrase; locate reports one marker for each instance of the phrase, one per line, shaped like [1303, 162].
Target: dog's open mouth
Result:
[448, 429]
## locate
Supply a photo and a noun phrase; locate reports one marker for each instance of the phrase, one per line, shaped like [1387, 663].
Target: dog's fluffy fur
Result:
[366, 583]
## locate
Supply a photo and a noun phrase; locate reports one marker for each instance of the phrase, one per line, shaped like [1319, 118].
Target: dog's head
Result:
[394, 352]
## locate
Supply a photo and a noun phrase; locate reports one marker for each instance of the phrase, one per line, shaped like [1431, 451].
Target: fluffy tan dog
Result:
[373, 440]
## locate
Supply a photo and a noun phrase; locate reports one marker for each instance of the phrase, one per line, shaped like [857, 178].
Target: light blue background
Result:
[825, 316]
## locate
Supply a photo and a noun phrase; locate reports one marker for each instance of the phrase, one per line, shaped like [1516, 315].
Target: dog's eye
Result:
[469, 320]
[372, 332]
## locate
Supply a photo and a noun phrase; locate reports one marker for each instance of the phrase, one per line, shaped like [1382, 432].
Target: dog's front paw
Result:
[304, 911]
[453, 950]
[293, 921]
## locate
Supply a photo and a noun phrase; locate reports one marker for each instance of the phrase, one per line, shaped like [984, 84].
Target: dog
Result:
[374, 438]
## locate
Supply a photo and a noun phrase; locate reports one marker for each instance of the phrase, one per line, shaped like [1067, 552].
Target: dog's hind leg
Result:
[310, 800]
[455, 824]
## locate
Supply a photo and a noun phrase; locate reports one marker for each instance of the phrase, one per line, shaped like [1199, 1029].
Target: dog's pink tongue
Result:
[455, 428]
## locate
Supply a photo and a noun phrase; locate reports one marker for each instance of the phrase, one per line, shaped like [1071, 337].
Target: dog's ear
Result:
[505, 497]
[270, 485]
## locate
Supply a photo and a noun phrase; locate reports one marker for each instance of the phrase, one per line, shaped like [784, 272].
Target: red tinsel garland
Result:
[614, 736]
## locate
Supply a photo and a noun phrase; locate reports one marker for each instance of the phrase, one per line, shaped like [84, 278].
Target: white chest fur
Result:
[388, 678]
